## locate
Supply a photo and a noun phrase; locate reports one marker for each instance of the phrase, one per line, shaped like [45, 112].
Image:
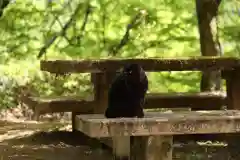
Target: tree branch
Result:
[3, 5]
[86, 16]
[62, 26]
[104, 5]
[133, 23]
[63, 31]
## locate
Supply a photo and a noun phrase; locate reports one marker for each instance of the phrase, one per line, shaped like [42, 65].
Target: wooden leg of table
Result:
[233, 90]
[151, 148]
[73, 122]
[36, 116]
[101, 82]
[233, 102]
[36, 113]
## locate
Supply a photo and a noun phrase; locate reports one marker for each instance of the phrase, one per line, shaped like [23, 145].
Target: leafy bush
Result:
[22, 74]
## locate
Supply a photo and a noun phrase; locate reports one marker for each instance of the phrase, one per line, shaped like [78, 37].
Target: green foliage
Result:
[163, 28]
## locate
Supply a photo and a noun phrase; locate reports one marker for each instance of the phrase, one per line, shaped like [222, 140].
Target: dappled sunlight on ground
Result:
[40, 141]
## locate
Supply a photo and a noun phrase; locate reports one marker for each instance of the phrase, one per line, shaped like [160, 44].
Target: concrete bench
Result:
[151, 137]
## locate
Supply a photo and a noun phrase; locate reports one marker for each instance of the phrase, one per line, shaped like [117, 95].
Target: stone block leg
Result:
[121, 148]
[143, 148]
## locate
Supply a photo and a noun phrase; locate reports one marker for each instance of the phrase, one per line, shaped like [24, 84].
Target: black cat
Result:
[127, 93]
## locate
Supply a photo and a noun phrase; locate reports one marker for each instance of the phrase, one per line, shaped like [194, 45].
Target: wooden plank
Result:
[198, 100]
[148, 64]
[194, 122]
[43, 105]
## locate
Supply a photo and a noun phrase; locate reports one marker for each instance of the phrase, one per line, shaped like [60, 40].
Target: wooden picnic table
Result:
[103, 70]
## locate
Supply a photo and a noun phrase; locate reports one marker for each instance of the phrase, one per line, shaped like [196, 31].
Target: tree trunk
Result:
[207, 11]
[3, 4]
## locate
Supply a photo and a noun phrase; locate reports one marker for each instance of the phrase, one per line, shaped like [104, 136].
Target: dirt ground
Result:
[44, 141]
[53, 140]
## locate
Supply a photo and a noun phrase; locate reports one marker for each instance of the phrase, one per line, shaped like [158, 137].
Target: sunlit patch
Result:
[204, 111]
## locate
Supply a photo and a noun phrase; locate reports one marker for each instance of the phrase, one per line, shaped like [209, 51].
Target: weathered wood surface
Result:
[197, 100]
[149, 64]
[194, 122]
[43, 105]
[200, 100]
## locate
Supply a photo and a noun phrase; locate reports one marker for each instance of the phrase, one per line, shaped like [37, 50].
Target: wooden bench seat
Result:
[200, 100]
[195, 100]
[151, 137]
[85, 105]
[43, 105]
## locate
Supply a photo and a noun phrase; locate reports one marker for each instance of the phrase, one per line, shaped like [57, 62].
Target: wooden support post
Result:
[73, 121]
[101, 82]
[143, 148]
[36, 116]
[233, 102]
[233, 89]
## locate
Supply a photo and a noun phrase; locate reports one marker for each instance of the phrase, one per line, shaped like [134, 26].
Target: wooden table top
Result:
[148, 64]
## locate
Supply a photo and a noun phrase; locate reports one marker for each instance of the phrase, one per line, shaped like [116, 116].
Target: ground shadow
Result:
[55, 137]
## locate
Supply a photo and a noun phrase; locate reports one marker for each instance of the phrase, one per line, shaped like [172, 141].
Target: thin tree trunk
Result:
[211, 80]
[3, 5]
[207, 11]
